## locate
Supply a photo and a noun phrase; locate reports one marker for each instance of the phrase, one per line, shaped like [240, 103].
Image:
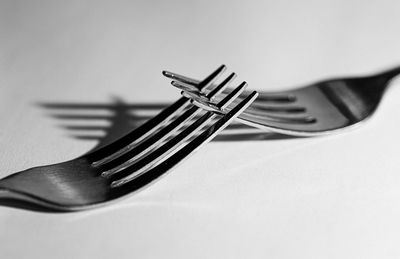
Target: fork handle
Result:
[389, 74]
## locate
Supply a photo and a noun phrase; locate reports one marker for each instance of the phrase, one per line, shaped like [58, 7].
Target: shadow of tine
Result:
[122, 117]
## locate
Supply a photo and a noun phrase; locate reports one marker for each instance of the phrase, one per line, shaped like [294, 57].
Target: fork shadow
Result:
[106, 122]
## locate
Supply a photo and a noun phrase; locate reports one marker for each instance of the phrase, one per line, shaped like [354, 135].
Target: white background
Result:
[328, 197]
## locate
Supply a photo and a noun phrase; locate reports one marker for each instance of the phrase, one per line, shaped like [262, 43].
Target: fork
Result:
[130, 163]
[321, 108]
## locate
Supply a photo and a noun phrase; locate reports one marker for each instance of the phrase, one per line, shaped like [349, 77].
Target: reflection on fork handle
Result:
[3, 193]
[6, 194]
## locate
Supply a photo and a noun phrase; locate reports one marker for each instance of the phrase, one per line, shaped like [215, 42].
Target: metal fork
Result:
[321, 108]
[130, 163]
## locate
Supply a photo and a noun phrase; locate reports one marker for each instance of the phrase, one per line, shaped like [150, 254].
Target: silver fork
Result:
[130, 163]
[321, 108]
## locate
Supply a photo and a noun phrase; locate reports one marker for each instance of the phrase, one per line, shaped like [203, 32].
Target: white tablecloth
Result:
[328, 197]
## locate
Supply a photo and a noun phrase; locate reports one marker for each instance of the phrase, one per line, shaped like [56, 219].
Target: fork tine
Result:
[181, 78]
[217, 90]
[200, 85]
[232, 96]
[204, 84]
[190, 89]
[167, 151]
[150, 126]
[280, 119]
[258, 109]
[184, 86]
[187, 81]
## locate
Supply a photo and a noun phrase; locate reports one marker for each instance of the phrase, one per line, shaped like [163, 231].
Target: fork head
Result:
[130, 163]
[321, 108]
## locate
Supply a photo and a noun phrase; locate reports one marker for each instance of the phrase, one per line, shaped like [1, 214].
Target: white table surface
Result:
[329, 197]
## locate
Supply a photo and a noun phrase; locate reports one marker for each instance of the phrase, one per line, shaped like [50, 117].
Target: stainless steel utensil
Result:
[130, 163]
[324, 107]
